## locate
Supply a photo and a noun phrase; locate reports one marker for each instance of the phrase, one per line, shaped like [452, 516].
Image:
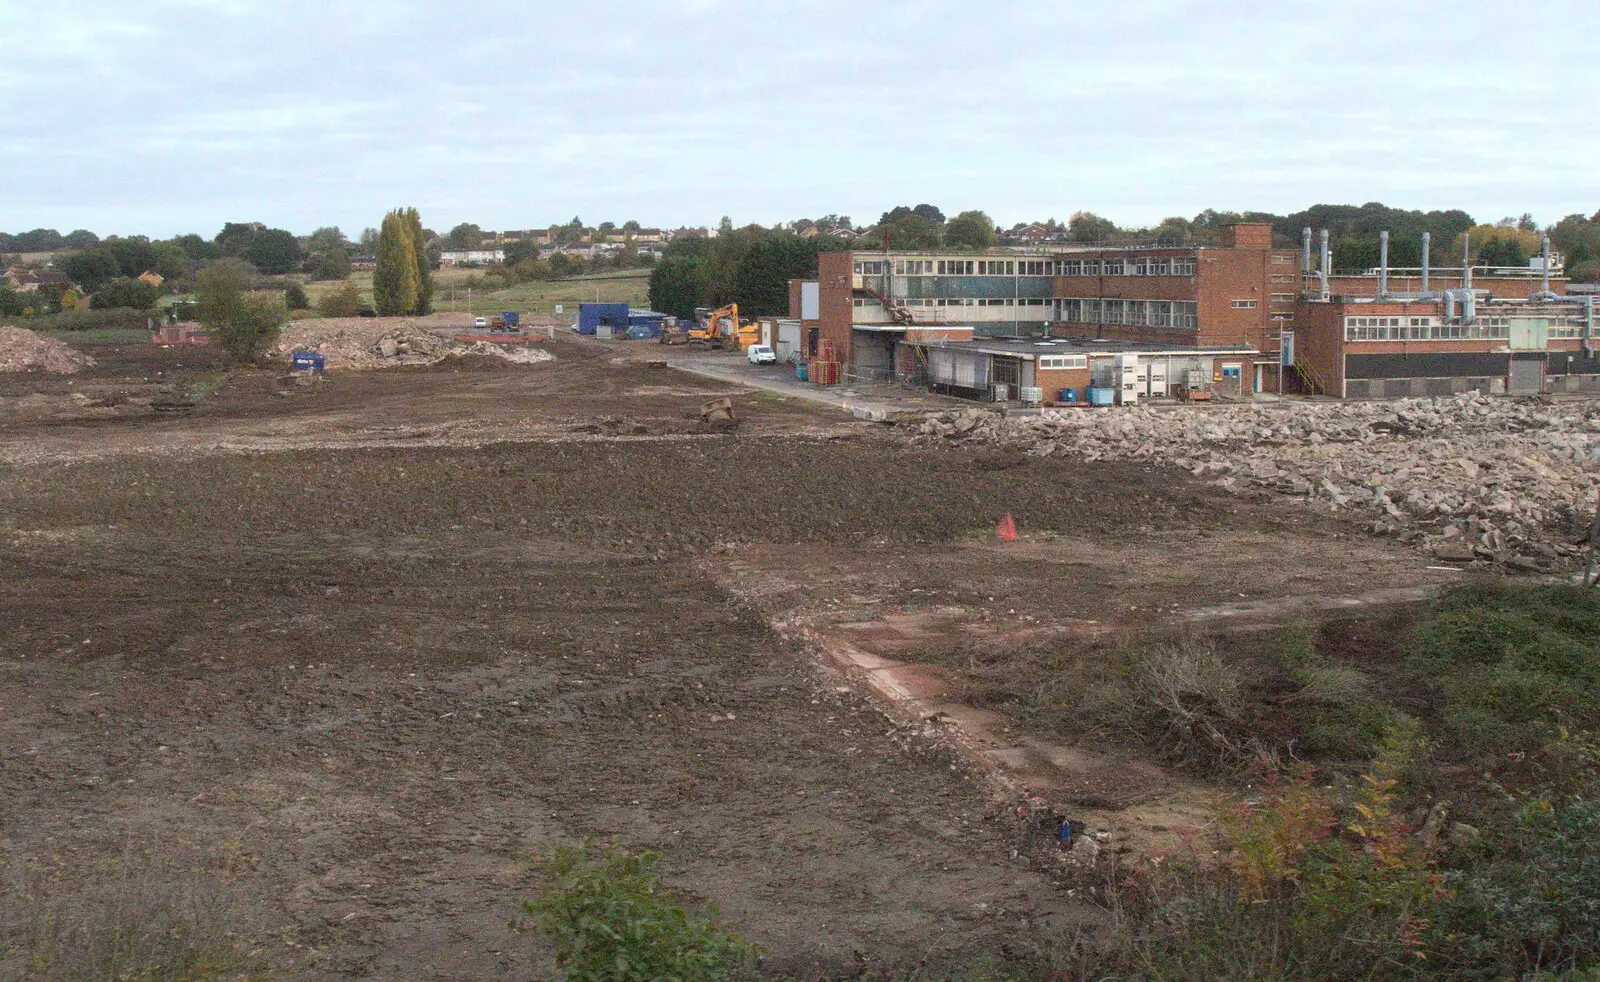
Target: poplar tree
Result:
[419, 254]
[395, 285]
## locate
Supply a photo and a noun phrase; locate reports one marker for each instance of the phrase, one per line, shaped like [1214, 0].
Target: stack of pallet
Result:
[825, 368]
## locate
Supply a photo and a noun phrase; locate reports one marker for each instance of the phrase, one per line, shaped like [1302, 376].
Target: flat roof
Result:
[1081, 346]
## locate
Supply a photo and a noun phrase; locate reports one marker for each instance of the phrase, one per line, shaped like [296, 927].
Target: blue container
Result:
[800, 371]
[1102, 397]
[595, 315]
[511, 318]
[1068, 395]
[307, 361]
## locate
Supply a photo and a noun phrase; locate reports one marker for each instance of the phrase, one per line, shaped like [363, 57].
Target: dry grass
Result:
[141, 921]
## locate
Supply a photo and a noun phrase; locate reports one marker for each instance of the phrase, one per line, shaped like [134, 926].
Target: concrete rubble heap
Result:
[363, 343]
[22, 350]
[1469, 478]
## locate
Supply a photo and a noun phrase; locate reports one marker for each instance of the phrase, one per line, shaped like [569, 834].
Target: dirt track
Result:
[372, 644]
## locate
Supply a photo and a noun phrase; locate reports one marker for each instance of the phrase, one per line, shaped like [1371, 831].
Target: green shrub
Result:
[86, 320]
[608, 921]
[1512, 662]
[1531, 898]
[1335, 713]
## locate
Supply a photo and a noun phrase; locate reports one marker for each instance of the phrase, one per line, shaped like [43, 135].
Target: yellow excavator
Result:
[723, 328]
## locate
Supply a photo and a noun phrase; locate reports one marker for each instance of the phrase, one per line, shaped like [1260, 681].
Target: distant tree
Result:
[1526, 223]
[608, 227]
[12, 303]
[464, 236]
[909, 230]
[562, 265]
[676, 286]
[1174, 231]
[1086, 227]
[762, 274]
[521, 251]
[972, 229]
[274, 251]
[1503, 252]
[395, 283]
[90, 268]
[325, 240]
[193, 247]
[38, 240]
[630, 226]
[343, 301]
[928, 213]
[125, 292]
[235, 237]
[369, 241]
[80, 238]
[424, 258]
[294, 297]
[243, 324]
[331, 265]
[725, 226]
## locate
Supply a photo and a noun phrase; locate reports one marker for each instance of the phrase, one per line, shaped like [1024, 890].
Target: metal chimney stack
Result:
[1466, 260]
[1383, 264]
[1305, 252]
[1427, 241]
[1322, 272]
[1544, 251]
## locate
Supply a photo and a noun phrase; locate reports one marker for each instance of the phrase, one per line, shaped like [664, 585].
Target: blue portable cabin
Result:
[593, 315]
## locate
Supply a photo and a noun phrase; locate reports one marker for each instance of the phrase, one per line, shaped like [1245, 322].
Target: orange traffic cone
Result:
[1006, 531]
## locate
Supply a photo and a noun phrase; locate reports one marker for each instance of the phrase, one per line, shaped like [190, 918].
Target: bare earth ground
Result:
[366, 646]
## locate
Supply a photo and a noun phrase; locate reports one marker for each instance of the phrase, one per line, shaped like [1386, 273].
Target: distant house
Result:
[30, 280]
[482, 257]
[649, 235]
[1029, 234]
[363, 262]
[152, 277]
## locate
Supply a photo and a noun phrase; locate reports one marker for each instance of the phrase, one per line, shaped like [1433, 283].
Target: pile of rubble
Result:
[24, 351]
[1470, 478]
[363, 342]
[522, 354]
[355, 343]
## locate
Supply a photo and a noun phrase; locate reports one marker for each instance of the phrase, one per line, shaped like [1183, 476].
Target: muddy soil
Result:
[374, 644]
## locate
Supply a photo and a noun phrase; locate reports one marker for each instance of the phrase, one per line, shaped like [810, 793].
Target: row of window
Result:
[1049, 363]
[1137, 313]
[1141, 266]
[1423, 329]
[962, 302]
[1433, 329]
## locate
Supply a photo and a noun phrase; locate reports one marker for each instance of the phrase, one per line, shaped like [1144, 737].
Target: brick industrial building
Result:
[1244, 308]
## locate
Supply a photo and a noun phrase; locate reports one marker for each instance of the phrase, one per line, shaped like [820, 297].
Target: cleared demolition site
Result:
[338, 659]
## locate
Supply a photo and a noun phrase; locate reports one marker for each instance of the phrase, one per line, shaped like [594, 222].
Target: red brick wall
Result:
[794, 299]
[938, 334]
[835, 271]
[1504, 287]
[1246, 237]
[1054, 380]
[1227, 275]
[1319, 340]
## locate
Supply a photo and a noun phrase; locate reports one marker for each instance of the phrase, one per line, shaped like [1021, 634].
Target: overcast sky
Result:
[170, 116]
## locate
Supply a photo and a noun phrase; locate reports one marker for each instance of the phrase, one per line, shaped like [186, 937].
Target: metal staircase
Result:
[898, 312]
[1310, 378]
